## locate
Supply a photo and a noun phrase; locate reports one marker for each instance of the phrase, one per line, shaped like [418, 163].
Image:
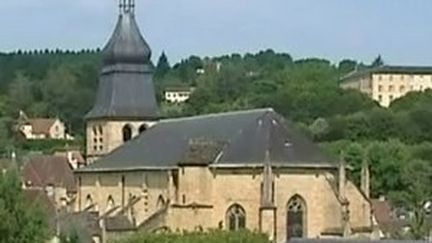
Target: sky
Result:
[399, 30]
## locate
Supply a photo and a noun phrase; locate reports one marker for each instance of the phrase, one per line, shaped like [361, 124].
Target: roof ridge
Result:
[220, 114]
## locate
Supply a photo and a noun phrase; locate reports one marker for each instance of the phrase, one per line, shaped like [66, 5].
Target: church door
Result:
[296, 218]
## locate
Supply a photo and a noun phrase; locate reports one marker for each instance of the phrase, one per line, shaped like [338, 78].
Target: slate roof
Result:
[126, 45]
[119, 223]
[247, 136]
[126, 89]
[44, 170]
[386, 69]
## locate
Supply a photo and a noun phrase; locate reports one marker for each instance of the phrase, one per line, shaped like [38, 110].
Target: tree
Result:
[163, 66]
[378, 62]
[20, 222]
[346, 66]
[21, 92]
[417, 177]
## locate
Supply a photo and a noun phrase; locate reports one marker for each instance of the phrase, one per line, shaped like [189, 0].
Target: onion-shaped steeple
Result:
[126, 89]
[126, 45]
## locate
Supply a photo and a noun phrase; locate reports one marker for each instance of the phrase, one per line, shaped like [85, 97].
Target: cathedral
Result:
[237, 170]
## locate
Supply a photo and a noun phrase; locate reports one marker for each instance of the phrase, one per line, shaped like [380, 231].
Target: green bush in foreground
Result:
[198, 237]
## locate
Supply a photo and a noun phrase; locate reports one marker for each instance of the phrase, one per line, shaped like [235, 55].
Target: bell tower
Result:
[125, 104]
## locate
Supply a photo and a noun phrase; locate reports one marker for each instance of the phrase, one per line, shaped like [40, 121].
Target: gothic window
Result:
[142, 128]
[127, 133]
[89, 201]
[160, 202]
[296, 217]
[110, 203]
[236, 218]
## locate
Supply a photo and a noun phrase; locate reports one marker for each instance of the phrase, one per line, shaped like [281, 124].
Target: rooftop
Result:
[241, 138]
[386, 69]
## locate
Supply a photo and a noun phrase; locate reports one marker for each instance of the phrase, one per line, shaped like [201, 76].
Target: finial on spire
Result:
[126, 6]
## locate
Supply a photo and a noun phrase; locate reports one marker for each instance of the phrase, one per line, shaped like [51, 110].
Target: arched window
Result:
[236, 218]
[127, 133]
[160, 202]
[110, 203]
[296, 217]
[89, 201]
[142, 128]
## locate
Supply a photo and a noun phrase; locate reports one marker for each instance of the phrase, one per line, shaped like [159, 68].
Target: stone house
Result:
[52, 175]
[42, 128]
[245, 169]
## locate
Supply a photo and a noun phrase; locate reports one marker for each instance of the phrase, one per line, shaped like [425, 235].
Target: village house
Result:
[178, 94]
[42, 128]
[238, 170]
[53, 176]
[385, 84]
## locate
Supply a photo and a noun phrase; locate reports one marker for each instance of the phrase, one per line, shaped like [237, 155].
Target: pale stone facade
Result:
[236, 170]
[199, 198]
[44, 129]
[386, 84]
[104, 136]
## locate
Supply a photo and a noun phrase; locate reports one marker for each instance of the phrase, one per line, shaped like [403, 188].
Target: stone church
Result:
[238, 170]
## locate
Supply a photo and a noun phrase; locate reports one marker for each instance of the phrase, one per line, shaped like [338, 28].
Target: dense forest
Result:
[396, 141]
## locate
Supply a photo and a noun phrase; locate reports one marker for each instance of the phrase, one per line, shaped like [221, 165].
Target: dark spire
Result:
[126, 45]
[126, 89]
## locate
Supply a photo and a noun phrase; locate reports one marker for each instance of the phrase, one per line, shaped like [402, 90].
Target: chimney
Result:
[365, 178]
[342, 177]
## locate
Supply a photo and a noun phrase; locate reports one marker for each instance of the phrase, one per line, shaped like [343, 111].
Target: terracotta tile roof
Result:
[382, 211]
[41, 125]
[76, 155]
[44, 170]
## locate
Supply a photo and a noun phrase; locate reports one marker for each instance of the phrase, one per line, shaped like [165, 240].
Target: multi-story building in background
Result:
[385, 84]
[178, 94]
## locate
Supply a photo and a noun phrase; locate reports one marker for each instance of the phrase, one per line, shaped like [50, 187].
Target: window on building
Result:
[380, 98]
[110, 203]
[142, 128]
[391, 98]
[379, 77]
[402, 88]
[391, 88]
[100, 130]
[236, 218]
[391, 77]
[89, 201]
[296, 217]
[160, 202]
[127, 133]
[94, 131]
[95, 148]
[380, 88]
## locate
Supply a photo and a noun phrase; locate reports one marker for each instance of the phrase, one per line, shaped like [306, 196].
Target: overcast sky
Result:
[399, 30]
